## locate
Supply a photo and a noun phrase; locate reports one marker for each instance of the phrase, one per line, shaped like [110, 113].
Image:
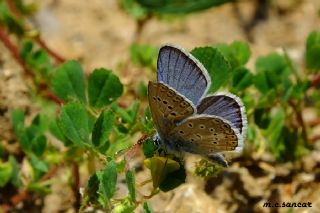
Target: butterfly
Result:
[185, 118]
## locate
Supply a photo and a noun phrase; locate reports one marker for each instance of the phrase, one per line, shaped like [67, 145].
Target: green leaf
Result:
[267, 99]
[242, 78]
[173, 179]
[237, 53]
[124, 206]
[261, 82]
[38, 164]
[147, 128]
[131, 184]
[15, 177]
[133, 8]
[218, 67]
[274, 131]
[144, 55]
[180, 6]
[93, 187]
[73, 122]
[160, 167]
[313, 51]
[261, 118]
[5, 173]
[104, 88]
[146, 208]
[17, 118]
[142, 90]
[38, 145]
[102, 129]
[109, 180]
[68, 82]
[273, 62]
[148, 147]
[26, 49]
[56, 131]
[130, 114]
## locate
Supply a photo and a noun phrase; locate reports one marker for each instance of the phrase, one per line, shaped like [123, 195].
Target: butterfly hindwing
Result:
[168, 107]
[227, 106]
[182, 72]
[205, 135]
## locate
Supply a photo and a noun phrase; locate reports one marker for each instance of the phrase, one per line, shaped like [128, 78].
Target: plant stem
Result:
[76, 185]
[315, 81]
[300, 120]
[4, 37]
[59, 59]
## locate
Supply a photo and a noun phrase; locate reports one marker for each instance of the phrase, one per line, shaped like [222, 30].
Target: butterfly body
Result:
[186, 120]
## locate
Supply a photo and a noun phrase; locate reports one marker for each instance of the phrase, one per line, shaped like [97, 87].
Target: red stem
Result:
[4, 37]
[76, 186]
[59, 59]
[315, 81]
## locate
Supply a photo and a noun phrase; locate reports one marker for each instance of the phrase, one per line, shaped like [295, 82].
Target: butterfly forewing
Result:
[182, 72]
[227, 106]
[205, 135]
[168, 107]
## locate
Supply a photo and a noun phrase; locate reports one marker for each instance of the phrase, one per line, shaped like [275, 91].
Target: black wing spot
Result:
[173, 113]
[199, 136]
[192, 139]
[181, 132]
[202, 126]
[159, 99]
[226, 125]
[154, 98]
[215, 142]
[190, 125]
[211, 130]
[165, 102]
[170, 107]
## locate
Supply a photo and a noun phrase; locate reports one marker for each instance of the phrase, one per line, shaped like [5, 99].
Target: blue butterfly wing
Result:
[227, 106]
[182, 72]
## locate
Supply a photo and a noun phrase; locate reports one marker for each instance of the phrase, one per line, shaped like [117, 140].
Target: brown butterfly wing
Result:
[168, 107]
[205, 135]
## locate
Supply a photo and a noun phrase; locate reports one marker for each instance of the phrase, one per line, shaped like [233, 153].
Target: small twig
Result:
[76, 186]
[13, 8]
[38, 39]
[59, 59]
[315, 139]
[315, 81]
[140, 26]
[299, 118]
[4, 37]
